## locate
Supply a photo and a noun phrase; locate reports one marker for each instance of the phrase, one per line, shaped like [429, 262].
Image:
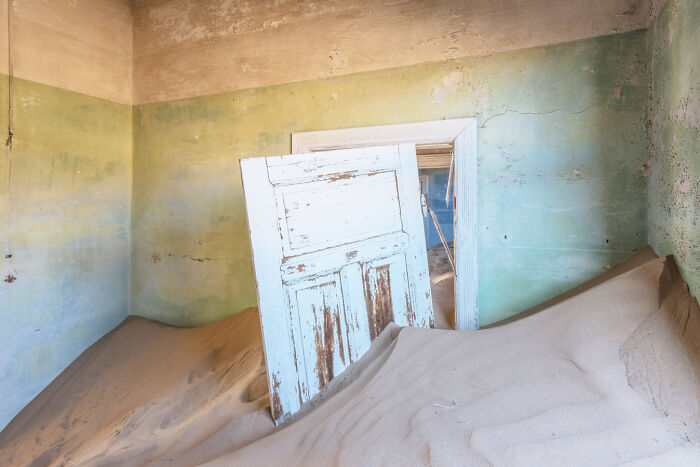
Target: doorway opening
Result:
[436, 143]
[435, 172]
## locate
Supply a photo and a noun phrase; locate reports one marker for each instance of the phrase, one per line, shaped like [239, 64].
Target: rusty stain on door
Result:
[339, 253]
[380, 311]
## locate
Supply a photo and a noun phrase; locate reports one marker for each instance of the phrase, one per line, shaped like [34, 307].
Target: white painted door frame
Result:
[462, 132]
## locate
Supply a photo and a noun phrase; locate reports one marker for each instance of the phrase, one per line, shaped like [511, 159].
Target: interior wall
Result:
[77, 45]
[561, 146]
[186, 48]
[674, 211]
[65, 198]
[562, 174]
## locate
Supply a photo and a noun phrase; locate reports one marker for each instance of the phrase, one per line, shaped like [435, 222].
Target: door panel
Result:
[387, 294]
[339, 253]
[312, 221]
[318, 304]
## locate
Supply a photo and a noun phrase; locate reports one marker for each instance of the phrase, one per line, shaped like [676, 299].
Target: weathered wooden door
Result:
[339, 252]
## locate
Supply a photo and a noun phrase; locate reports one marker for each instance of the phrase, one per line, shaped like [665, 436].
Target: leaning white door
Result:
[339, 252]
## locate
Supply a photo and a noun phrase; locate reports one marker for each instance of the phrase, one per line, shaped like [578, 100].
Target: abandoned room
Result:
[350, 232]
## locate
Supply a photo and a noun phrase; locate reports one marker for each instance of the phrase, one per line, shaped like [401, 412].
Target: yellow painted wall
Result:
[68, 233]
[562, 181]
[65, 202]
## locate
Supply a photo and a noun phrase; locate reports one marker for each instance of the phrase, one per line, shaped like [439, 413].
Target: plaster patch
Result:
[684, 186]
[449, 86]
[644, 170]
[572, 175]
[509, 177]
[337, 60]
[31, 102]
[511, 157]
[483, 102]
[688, 113]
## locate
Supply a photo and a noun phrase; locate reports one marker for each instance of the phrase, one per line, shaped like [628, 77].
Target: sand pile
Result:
[149, 392]
[608, 376]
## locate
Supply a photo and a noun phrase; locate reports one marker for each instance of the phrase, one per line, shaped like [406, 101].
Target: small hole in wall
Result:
[505, 237]
[607, 240]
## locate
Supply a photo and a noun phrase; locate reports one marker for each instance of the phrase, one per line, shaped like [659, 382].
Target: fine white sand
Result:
[606, 376]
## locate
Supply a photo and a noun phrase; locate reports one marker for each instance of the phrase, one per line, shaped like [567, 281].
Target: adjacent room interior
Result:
[380, 232]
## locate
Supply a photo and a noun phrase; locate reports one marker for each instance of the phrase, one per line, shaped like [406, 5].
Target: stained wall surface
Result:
[674, 211]
[65, 198]
[186, 48]
[562, 180]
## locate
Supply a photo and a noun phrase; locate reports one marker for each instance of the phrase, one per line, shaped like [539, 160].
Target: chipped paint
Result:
[189, 48]
[380, 310]
[674, 195]
[275, 394]
[320, 279]
[324, 341]
[688, 111]
[448, 86]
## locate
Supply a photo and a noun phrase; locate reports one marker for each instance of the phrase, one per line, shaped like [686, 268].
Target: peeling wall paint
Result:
[562, 141]
[674, 211]
[655, 7]
[71, 183]
[448, 86]
[189, 48]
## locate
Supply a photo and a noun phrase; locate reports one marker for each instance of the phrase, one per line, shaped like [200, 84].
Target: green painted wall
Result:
[70, 227]
[674, 211]
[562, 180]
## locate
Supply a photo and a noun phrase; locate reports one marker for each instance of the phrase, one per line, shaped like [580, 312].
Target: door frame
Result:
[462, 133]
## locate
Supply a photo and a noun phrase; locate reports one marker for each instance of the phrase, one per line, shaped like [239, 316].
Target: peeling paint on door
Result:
[339, 253]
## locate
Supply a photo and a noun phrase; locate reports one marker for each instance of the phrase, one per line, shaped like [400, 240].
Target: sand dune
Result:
[608, 376]
[148, 392]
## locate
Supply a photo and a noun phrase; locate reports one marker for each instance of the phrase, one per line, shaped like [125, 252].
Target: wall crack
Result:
[548, 112]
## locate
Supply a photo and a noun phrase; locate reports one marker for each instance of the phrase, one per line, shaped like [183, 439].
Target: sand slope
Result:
[605, 377]
[148, 392]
